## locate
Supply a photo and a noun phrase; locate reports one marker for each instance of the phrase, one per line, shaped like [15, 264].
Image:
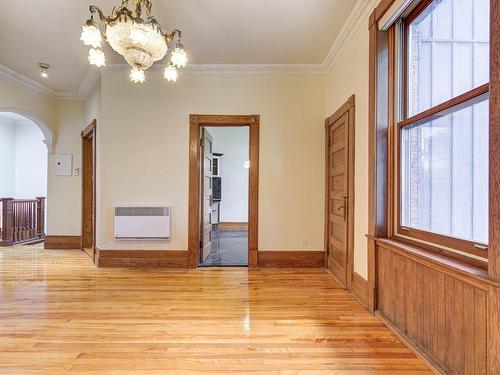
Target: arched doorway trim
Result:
[48, 134]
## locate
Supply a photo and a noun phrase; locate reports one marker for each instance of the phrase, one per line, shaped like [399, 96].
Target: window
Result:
[443, 136]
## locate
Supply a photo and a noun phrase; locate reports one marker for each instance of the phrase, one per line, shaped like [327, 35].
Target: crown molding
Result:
[15, 76]
[359, 13]
[36, 86]
[89, 81]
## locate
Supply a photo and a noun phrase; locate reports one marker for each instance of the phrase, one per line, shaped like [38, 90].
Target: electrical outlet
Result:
[303, 241]
[77, 172]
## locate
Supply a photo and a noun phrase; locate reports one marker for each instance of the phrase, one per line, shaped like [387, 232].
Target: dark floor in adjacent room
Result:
[229, 248]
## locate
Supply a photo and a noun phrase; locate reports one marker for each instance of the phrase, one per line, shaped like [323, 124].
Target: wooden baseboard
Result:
[142, 258]
[232, 226]
[359, 289]
[291, 259]
[429, 362]
[62, 242]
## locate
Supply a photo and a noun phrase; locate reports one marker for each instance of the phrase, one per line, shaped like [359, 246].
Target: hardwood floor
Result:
[59, 313]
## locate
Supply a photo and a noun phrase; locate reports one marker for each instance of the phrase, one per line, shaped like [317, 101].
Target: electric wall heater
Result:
[142, 223]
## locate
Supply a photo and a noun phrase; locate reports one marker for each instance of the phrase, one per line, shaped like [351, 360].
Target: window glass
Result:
[448, 52]
[444, 174]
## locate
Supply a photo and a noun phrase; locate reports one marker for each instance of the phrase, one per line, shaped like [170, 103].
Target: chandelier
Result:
[140, 41]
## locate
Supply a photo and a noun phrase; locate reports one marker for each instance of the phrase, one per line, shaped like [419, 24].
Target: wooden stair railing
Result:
[22, 220]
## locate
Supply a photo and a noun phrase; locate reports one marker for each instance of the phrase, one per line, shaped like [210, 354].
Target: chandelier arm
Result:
[96, 10]
[170, 36]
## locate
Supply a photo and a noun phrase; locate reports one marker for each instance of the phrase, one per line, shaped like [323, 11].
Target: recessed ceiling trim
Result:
[231, 68]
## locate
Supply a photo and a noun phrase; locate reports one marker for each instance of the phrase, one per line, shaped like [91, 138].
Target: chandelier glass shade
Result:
[140, 41]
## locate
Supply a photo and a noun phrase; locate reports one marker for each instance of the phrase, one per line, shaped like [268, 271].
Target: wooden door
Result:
[338, 197]
[88, 190]
[206, 194]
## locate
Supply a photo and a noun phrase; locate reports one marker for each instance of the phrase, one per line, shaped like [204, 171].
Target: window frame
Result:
[408, 234]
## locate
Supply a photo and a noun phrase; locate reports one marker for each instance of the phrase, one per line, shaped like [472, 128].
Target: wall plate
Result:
[63, 164]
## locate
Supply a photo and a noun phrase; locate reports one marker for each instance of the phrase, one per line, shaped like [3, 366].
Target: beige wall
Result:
[64, 192]
[14, 94]
[143, 150]
[346, 76]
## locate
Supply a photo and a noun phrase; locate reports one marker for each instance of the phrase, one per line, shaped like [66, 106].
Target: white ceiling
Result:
[215, 32]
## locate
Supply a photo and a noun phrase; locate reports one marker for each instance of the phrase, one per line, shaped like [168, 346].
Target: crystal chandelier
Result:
[140, 41]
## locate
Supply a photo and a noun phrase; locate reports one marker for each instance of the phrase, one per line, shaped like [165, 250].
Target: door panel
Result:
[88, 191]
[206, 194]
[337, 197]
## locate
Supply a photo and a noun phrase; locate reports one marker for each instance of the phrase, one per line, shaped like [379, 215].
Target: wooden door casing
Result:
[196, 122]
[206, 194]
[339, 193]
[88, 190]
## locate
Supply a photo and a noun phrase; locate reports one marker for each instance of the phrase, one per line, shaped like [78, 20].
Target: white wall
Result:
[24, 160]
[30, 162]
[233, 142]
[144, 149]
[7, 157]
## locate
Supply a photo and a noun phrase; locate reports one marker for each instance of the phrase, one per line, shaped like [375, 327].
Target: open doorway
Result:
[23, 179]
[224, 197]
[223, 190]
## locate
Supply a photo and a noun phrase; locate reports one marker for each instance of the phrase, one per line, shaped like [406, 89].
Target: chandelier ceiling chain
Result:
[140, 41]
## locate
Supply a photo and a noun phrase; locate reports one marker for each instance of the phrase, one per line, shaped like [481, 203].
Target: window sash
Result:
[455, 103]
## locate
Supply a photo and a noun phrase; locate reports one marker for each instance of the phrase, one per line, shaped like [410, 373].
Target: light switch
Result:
[63, 164]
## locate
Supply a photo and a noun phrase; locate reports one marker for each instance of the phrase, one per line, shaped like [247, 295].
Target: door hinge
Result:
[201, 142]
[201, 244]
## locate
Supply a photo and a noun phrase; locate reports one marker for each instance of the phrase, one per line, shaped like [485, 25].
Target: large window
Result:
[443, 156]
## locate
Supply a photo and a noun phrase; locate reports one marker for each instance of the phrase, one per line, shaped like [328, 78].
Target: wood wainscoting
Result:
[437, 306]
[62, 242]
[141, 258]
[291, 259]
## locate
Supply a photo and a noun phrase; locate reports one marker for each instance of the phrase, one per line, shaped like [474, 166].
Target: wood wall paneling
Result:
[442, 316]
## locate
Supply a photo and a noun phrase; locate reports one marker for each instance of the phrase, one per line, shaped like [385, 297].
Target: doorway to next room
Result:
[224, 185]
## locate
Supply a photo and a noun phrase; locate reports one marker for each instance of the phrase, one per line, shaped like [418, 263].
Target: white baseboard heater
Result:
[142, 223]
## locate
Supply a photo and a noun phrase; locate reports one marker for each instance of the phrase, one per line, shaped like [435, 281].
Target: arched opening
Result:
[25, 142]
[48, 134]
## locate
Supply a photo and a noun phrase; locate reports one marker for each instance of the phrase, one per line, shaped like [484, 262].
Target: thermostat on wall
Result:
[63, 164]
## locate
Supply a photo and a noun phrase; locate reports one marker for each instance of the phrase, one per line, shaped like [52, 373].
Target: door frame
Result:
[89, 132]
[347, 107]
[195, 124]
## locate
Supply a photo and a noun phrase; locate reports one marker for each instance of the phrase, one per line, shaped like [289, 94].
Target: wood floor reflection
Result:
[59, 313]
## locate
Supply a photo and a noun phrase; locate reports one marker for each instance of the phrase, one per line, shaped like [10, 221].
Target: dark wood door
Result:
[88, 190]
[338, 189]
[206, 194]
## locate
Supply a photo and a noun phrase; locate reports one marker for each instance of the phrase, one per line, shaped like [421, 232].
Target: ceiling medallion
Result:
[140, 41]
